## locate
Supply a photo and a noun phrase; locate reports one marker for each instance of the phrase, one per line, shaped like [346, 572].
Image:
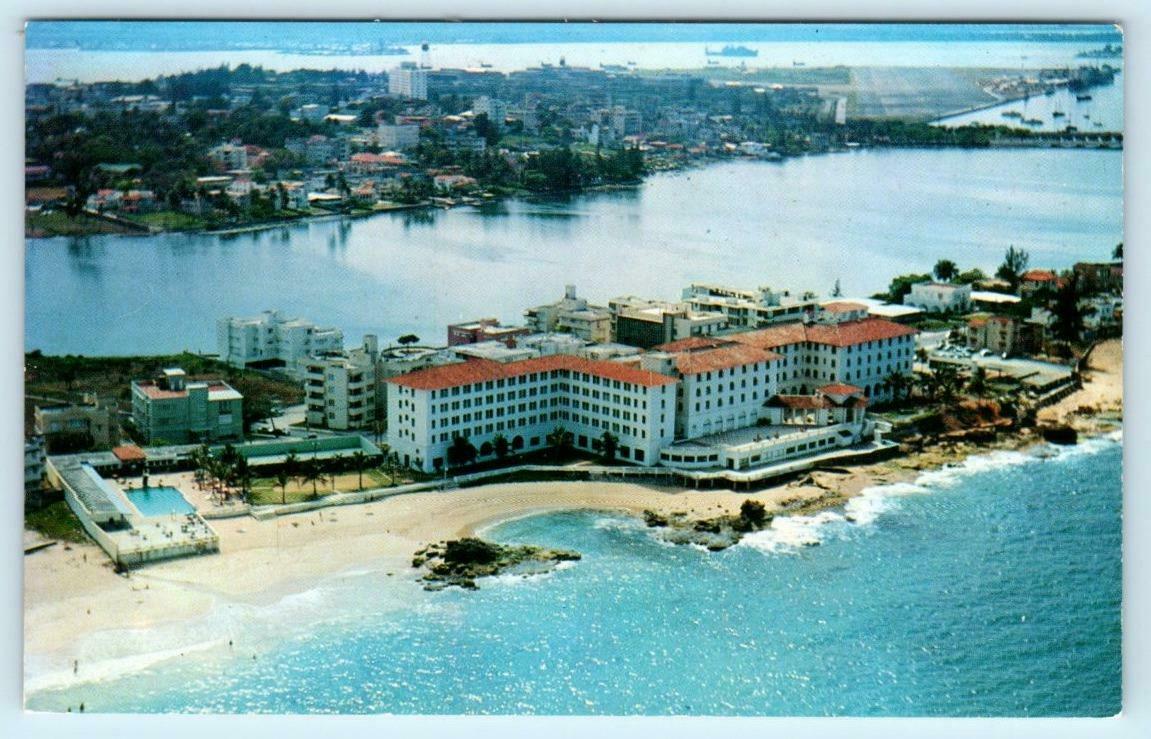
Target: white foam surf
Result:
[791, 534]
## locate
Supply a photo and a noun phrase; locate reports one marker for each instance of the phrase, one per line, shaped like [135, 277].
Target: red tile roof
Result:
[843, 306]
[693, 342]
[848, 333]
[129, 453]
[709, 360]
[1038, 275]
[840, 389]
[481, 370]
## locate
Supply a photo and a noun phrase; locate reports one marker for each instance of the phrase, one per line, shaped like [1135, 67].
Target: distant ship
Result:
[799, 64]
[732, 51]
[1033, 122]
[1082, 97]
[1012, 114]
[1058, 114]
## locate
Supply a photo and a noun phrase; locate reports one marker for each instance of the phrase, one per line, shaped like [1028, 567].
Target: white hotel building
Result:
[524, 401]
[732, 401]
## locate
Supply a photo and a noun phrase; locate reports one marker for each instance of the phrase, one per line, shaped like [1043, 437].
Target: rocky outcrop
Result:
[715, 534]
[461, 562]
[1061, 434]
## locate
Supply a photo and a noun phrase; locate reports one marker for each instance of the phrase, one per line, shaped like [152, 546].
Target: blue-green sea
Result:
[989, 588]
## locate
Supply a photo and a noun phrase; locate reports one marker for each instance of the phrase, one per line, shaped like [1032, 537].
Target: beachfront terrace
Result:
[759, 446]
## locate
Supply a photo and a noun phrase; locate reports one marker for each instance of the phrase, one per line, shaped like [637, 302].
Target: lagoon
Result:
[859, 217]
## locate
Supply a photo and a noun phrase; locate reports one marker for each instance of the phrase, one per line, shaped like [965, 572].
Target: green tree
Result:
[945, 270]
[1117, 252]
[461, 452]
[359, 459]
[1015, 262]
[502, 447]
[607, 445]
[282, 479]
[1066, 310]
[408, 339]
[901, 286]
[560, 440]
[970, 276]
[311, 471]
[977, 384]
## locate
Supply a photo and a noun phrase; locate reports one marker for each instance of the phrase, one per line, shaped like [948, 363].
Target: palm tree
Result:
[243, 474]
[313, 473]
[359, 459]
[500, 442]
[282, 479]
[607, 445]
[560, 440]
[898, 383]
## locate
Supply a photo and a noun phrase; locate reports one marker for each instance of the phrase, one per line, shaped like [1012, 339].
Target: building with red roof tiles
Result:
[862, 352]
[524, 401]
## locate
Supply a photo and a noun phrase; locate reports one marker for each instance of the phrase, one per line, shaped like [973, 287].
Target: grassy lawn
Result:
[265, 491]
[171, 220]
[58, 223]
[55, 521]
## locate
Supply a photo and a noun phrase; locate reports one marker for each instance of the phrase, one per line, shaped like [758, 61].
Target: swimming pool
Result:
[159, 501]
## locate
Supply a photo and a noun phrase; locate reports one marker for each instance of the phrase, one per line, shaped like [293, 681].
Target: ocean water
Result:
[860, 217]
[990, 588]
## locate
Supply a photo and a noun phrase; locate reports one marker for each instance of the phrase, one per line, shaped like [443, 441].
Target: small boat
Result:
[1033, 122]
[1012, 114]
[1058, 114]
[485, 65]
[1082, 97]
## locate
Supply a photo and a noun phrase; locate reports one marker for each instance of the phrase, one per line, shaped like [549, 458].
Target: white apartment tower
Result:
[272, 340]
[340, 388]
[408, 81]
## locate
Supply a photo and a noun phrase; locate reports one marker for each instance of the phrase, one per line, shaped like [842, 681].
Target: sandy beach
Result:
[71, 591]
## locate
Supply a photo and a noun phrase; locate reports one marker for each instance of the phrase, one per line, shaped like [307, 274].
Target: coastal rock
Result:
[718, 533]
[654, 520]
[1060, 434]
[463, 561]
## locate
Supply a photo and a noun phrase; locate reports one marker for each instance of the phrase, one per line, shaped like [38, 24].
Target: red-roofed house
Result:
[1034, 280]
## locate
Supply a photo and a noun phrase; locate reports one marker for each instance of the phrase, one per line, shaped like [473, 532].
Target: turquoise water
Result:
[990, 588]
[160, 501]
[858, 217]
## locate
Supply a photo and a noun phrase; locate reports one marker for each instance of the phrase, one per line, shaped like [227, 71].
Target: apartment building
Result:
[91, 423]
[750, 308]
[174, 410]
[394, 137]
[524, 401]
[408, 81]
[340, 388]
[272, 340]
[229, 156]
[496, 110]
[645, 323]
[572, 315]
